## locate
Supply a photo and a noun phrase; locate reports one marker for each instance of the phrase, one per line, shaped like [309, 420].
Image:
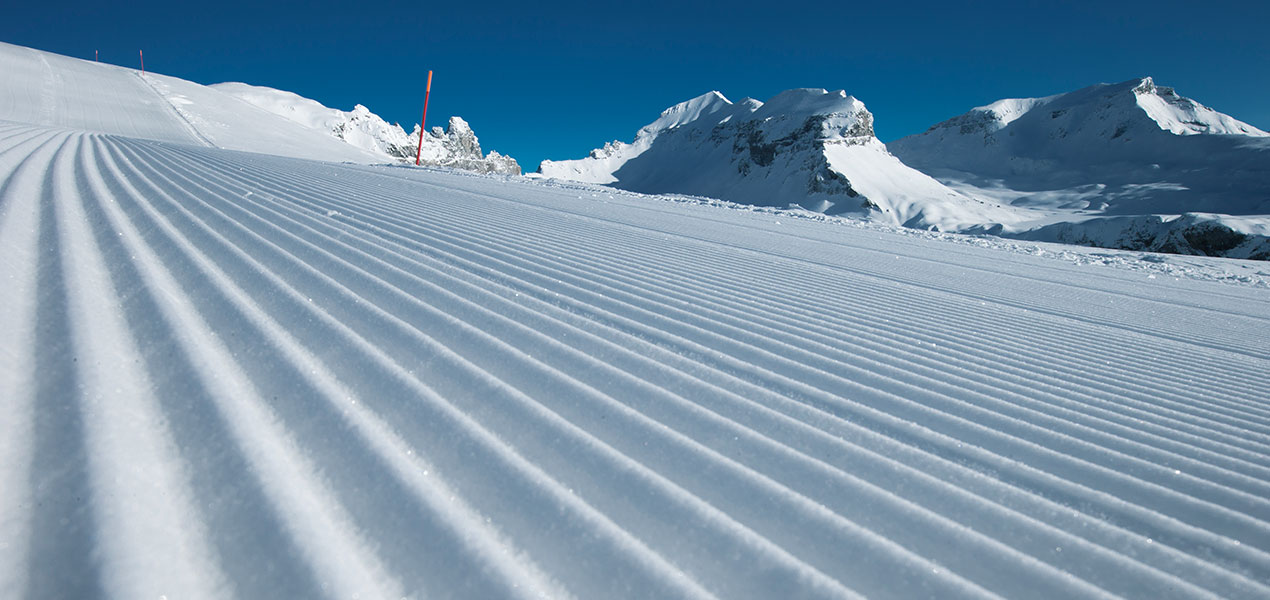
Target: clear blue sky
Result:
[555, 79]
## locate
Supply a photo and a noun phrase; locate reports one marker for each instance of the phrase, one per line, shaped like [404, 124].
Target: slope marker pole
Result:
[96, 55]
[423, 121]
[142, 54]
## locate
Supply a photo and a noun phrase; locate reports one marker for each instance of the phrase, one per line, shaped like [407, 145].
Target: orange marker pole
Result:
[96, 56]
[427, 92]
[142, 54]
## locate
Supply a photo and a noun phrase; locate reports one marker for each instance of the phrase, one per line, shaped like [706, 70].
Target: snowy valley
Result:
[245, 352]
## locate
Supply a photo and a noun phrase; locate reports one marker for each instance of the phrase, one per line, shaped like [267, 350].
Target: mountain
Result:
[457, 146]
[807, 147]
[58, 91]
[1130, 165]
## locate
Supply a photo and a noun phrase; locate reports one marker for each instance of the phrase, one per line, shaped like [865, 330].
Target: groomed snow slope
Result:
[227, 374]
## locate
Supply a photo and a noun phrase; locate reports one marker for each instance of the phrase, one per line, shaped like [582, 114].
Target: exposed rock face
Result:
[461, 141]
[752, 145]
[1194, 234]
[458, 148]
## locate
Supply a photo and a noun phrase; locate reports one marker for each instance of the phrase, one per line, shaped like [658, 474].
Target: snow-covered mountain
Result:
[43, 88]
[807, 147]
[1130, 165]
[457, 146]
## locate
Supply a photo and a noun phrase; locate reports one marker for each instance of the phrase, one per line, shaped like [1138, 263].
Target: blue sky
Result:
[553, 80]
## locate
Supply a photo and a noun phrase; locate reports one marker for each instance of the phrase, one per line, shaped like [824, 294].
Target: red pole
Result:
[426, 94]
[142, 54]
[96, 57]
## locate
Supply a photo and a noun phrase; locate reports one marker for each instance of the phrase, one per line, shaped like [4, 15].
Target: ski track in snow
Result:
[229, 374]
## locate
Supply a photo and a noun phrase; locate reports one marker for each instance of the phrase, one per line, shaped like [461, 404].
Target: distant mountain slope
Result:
[1130, 165]
[42, 88]
[807, 147]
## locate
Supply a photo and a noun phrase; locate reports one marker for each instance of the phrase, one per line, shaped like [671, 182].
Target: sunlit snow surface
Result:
[231, 374]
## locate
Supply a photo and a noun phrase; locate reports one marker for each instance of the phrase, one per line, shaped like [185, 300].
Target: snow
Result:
[228, 373]
[222, 121]
[705, 105]
[368, 132]
[47, 89]
[604, 162]
[785, 112]
[1005, 111]
[1183, 116]
[907, 196]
